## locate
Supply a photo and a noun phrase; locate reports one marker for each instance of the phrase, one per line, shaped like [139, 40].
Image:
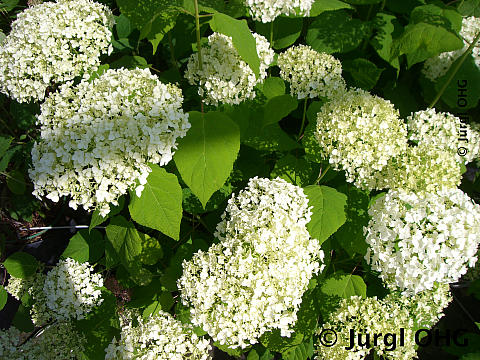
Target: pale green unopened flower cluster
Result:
[267, 10]
[444, 131]
[97, 137]
[224, 76]
[438, 66]
[51, 43]
[158, 337]
[360, 133]
[417, 240]
[422, 168]
[69, 290]
[58, 341]
[253, 280]
[382, 316]
[310, 73]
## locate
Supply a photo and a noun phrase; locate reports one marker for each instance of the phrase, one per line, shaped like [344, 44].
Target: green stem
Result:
[323, 173]
[303, 118]
[199, 43]
[271, 34]
[455, 70]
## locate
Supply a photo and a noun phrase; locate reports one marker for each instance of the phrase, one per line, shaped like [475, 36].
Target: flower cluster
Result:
[72, 289]
[444, 131]
[68, 291]
[97, 137]
[53, 42]
[58, 341]
[438, 66]
[158, 337]
[311, 74]
[224, 76]
[388, 315]
[351, 130]
[422, 168]
[32, 287]
[418, 240]
[267, 10]
[253, 280]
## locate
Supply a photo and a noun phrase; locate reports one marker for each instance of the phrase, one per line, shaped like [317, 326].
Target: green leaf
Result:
[386, 27]
[7, 157]
[21, 265]
[129, 62]
[469, 8]
[24, 114]
[363, 2]
[232, 352]
[205, 156]
[297, 171]
[98, 219]
[277, 108]
[469, 75]
[154, 18]
[434, 15]
[286, 30]
[22, 320]
[336, 32]
[350, 235]
[471, 356]
[273, 86]
[422, 41]
[122, 26]
[365, 73]
[99, 328]
[319, 6]
[259, 352]
[302, 351]
[328, 212]
[125, 239]
[344, 286]
[85, 246]
[242, 38]
[16, 182]
[313, 151]
[3, 297]
[404, 6]
[160, 204]
[8, 5]
[6, 141]
[151, 251]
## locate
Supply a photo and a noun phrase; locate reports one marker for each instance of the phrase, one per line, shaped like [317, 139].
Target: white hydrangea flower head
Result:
[310, 73]
[267, 10]
[360, 133]
[158, 337]
[253, 280]
[419, 240]
[224, 76]
[97, 137]
[18, 287]
[32, 286]
[72, 290]
[58, 341]
[388, 315]
[438, 66]
[422, 168]
[444, 131]
[51, 43]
